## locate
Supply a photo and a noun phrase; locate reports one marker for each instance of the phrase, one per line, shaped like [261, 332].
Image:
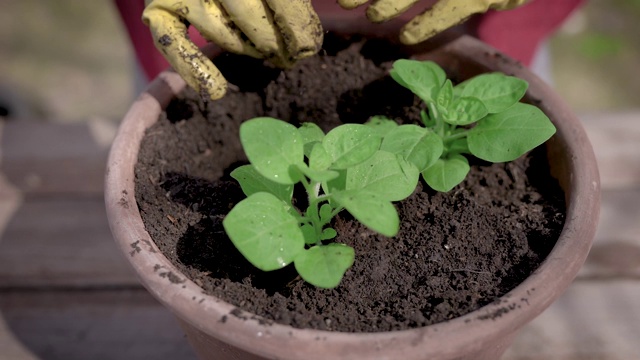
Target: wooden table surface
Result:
[66, 292]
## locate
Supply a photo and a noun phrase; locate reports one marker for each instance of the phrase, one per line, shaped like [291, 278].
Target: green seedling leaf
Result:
[273, 147]
[319, 159]
[311, 134]
[371, 210]
[465, 111]
[251, 182]
[328, 234]
[325, 213]
[388, 175]
[445, 174]
[309, 233]
[510, 134]
[335, 185]
[458, 146]
[350, 144]
[423, 78]
[381, 124]
[324, 266]
[445, 95]
[497, 91]
[419, 146]
[318, 175]
[264, 231]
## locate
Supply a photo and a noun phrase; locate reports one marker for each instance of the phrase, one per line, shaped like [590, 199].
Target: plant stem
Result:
[439, 127]
[313, 213]
[336, 211]
[455, 136]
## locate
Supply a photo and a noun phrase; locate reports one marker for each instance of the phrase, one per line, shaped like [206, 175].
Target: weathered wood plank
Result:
[616, 251]
[591, 321]
[61, 243]
[615, 137]
[98, 325]
[46, 158]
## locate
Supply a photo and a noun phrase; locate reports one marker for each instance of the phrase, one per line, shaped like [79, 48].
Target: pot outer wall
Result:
[480, 335]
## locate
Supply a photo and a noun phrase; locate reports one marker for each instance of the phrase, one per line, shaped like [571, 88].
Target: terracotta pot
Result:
[482, 334]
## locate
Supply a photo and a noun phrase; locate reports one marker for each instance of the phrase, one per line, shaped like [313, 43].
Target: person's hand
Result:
[283, 32]
[443, 15]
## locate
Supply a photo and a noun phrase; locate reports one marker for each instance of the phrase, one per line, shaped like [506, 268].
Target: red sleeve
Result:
[519, 32]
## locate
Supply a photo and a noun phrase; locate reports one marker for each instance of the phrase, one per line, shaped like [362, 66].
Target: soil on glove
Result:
[455, 251]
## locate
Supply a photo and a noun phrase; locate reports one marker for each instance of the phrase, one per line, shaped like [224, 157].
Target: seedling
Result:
[344, 169]
[481, 116]
[363, 168]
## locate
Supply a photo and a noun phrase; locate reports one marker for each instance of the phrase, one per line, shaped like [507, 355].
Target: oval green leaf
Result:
[324, 266]
[309, 233]
[465, 111]
[328, 234]
[381, 124]
[419, 146]
[311, 134]
[318, 175]
[388, 175]
[273, 147]
[423, 78]
[251, 182]
[371, 210]
[510, 134]
[319, 159]
[445, 95]
[264, 231]
[497, 91]
[350, 144]
[445, 174]
[325, 213]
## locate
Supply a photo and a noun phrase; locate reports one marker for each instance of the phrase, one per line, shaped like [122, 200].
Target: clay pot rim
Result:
[213, 316]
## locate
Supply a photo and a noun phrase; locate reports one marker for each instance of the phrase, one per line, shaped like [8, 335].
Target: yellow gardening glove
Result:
[443, 15]
[281, 31]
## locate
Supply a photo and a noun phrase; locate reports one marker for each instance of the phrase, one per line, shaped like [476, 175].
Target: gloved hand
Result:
[283, 32]
[443, 15]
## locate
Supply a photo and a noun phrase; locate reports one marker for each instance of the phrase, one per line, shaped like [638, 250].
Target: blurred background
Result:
[64, 60]
[70, 60]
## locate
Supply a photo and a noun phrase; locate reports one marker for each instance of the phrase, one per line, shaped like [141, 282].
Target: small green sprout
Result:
[344, 169]
[481, 116]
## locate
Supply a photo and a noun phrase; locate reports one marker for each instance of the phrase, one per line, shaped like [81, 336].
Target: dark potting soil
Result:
[455, 251]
